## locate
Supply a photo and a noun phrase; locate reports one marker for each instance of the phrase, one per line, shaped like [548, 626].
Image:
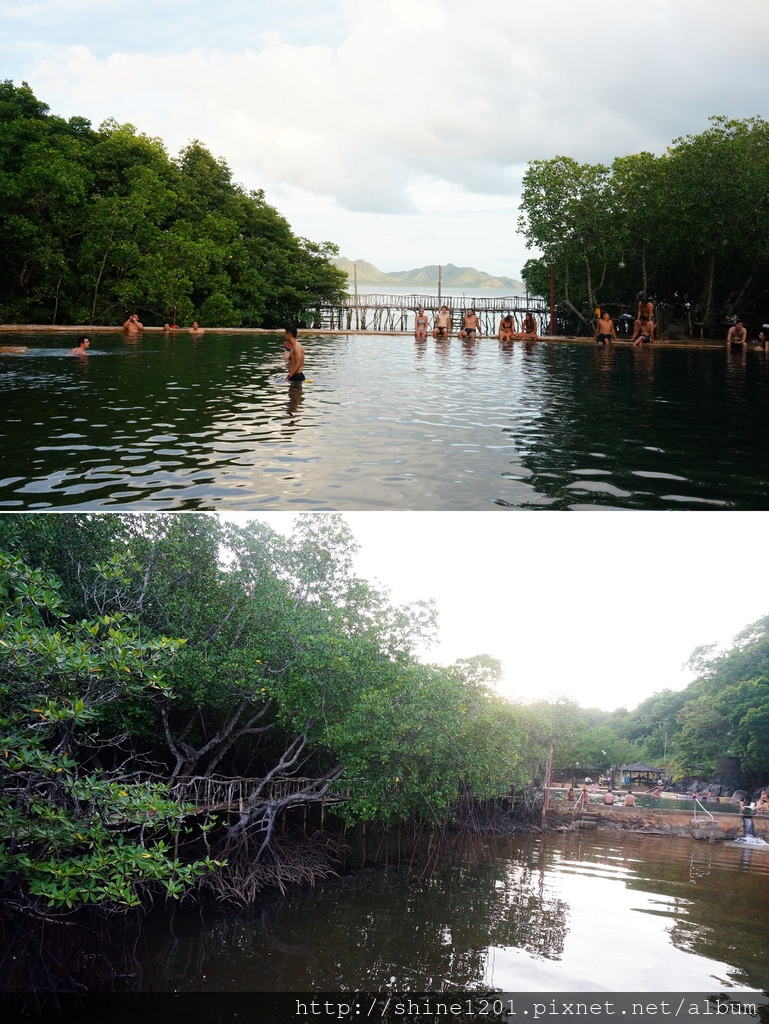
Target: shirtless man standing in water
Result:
[442, 323]
[133, 325]
[295, 357]
[737, 335]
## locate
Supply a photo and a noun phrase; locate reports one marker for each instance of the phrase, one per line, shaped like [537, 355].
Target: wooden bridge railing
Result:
[213, 794]
[500, 304]
[379, 312]
[395, 312]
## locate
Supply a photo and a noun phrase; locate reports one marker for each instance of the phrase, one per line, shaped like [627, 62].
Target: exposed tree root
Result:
[291, 860]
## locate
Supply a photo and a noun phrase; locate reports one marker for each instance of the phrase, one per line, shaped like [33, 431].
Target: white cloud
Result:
[402, 92]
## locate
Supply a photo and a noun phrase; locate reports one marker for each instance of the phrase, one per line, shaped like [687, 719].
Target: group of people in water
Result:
[133, 326]
[609, 797]
[760, 806]
[737, 337]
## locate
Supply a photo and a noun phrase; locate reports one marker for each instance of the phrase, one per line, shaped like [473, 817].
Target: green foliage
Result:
[283, 644]
[100, 222]
[71, 835]
[688, 226]
[725, 711]
[415, 739]
[579, 736]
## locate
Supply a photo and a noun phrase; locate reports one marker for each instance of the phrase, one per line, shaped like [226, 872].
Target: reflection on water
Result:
[384, 422]
[565, 913]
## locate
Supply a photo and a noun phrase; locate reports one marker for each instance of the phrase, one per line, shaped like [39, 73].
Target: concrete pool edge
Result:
[661, 821]
[308, 331]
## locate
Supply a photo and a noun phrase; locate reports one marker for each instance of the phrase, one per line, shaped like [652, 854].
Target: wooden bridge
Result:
[395, 313]
[222, 794]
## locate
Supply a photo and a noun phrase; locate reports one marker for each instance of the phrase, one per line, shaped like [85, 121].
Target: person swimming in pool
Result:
[81, 349]
[295, 357]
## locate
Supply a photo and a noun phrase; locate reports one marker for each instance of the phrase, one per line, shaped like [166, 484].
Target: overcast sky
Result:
[398, 129]
[603, 609]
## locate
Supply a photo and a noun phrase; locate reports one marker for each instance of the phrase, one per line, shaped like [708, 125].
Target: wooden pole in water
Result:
[440, 273]
[552, 292]
[355, 286]
[546, 804]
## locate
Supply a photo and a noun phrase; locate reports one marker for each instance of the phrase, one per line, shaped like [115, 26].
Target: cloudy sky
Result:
[603, 609]
[398, 129]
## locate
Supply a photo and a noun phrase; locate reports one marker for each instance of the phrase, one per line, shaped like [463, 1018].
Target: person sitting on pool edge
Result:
[295, 357]
[506, 327]
[529, 328]
[644, 332]
[608, 797]
[81, 349]
[629, 799]
[470, 325]
[420, 323]
[442, 323]
[604, 331]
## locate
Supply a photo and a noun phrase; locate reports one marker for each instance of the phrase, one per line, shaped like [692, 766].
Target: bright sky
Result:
[603, 609]
[398, 129]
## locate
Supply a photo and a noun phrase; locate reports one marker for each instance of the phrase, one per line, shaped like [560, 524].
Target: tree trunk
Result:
[101, 273]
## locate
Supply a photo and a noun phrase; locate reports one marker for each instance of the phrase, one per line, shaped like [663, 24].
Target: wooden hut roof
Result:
[639, 766]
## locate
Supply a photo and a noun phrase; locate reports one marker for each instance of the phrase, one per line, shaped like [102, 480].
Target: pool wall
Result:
[673, 821]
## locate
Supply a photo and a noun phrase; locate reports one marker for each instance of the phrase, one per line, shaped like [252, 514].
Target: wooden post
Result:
[440, 274]
[552, 292]
[546, 804]
[355, 285]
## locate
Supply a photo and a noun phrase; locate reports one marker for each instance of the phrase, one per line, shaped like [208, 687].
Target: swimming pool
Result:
[382, 423]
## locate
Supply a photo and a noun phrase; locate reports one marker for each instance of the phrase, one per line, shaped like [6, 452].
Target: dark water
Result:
[566, 913]
[385, 423]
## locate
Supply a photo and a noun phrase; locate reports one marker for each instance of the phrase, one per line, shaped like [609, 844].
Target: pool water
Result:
[382, 423]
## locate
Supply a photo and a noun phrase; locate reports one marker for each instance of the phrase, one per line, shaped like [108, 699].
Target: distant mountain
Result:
[426, 277]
